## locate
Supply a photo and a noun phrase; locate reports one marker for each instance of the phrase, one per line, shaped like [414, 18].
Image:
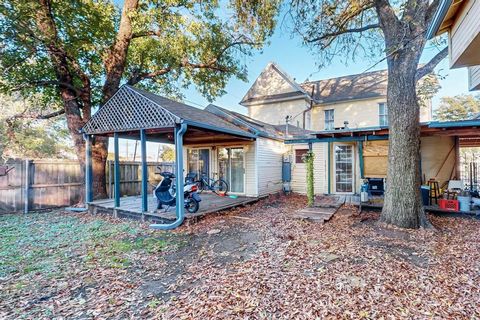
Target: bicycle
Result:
[216, 186]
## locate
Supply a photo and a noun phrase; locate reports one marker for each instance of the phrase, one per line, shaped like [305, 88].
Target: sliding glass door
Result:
[198, 162]
[231, 168]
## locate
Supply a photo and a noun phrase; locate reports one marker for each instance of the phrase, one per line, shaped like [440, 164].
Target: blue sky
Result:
[299, 62]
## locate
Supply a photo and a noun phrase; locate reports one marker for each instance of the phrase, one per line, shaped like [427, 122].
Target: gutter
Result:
[215, 128]
[453, 124]
[438, 18]
[180, 206]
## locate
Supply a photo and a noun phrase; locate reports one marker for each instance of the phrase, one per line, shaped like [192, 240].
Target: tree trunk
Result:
[403, 205]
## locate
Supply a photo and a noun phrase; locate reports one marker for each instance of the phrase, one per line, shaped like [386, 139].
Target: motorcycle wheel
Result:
[192, 205]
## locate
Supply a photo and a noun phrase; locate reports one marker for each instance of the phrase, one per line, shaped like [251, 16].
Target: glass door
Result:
[198, 162]
[344, 168]
[231, 168]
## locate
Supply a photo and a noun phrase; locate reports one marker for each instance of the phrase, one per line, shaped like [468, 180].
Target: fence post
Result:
[27, 186]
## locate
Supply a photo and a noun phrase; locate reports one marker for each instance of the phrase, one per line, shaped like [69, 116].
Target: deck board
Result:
[210, 203]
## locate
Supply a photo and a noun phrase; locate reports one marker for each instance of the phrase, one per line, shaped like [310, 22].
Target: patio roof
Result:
[131, 109]
[463, 129]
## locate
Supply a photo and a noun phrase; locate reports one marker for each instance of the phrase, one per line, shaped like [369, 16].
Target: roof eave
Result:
[438, 18]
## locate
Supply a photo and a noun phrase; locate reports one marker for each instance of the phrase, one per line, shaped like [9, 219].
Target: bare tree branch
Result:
[35, 116]
[340, 32]
[428, 68]
[432, 8]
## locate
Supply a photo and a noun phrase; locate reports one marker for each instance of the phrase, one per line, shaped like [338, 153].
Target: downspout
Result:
[180, 207]
[309, 108]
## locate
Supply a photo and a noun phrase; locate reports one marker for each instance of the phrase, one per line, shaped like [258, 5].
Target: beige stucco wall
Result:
[275, 113]
[464, 36]
[358, 113]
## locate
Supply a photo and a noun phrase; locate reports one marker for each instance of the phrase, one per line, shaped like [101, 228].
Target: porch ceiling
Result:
[193, 136]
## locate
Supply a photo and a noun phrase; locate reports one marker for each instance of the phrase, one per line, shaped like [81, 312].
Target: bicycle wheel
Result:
[220, 186]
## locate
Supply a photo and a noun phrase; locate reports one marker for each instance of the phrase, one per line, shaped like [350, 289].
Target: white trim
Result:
[335, 168]
[244, 169]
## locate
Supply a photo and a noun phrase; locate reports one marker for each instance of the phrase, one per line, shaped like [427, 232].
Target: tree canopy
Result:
[460, 107]
[76, 54]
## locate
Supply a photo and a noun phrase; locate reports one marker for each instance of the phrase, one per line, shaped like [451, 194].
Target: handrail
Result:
[180, 206]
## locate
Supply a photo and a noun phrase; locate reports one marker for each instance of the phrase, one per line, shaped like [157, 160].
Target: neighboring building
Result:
[354, 101]
[461, 20]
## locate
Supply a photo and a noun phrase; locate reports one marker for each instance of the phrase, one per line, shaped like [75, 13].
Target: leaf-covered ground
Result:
[250, 263]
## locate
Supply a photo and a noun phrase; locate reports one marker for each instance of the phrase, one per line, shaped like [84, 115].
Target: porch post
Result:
[116, 170]
[329, 176]
[143, 146]
[360, 157]
[88, 170]
[180, 209]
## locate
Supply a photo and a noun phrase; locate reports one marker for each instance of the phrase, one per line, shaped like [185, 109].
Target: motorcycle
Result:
[166, 194]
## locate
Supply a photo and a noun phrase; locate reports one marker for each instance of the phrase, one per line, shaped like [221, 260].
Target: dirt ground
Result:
[254, 262]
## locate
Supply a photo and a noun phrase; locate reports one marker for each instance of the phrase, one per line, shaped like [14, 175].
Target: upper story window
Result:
[329, 119]
[383, 114]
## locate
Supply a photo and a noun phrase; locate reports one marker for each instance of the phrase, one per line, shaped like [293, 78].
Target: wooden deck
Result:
[131, 207]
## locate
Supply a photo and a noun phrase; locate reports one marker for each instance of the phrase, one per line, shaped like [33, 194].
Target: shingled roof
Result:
[352, 87]
[258, 127]
[274, 85]
[132, 109]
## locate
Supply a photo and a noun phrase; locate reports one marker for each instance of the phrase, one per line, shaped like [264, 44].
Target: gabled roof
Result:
[132, 109]
[352, 87]
[258, 127]
[273, 84]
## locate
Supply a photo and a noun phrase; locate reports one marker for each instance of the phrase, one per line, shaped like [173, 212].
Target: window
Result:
[299, 155]
[383, 114]
[329, 119]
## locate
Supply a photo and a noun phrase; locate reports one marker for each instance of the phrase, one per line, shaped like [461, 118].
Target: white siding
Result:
[250, 171]
[465, 36]
[269, 164]
[474, 78]
[299, 172]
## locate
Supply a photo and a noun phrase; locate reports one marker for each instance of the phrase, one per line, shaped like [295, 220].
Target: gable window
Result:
[383, 114]
[329, 119]
[299, 153]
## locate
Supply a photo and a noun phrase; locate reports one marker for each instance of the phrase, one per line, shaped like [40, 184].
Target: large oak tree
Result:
[77, 53]
[395, 32]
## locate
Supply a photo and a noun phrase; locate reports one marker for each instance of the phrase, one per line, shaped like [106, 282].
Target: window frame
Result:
[329, 123]
[383, 115]
[298, 157]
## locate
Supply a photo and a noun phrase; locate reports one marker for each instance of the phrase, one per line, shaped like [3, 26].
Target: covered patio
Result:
[440, 158]
[139, 115]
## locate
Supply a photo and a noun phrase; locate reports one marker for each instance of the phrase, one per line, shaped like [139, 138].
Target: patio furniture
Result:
[434, 191]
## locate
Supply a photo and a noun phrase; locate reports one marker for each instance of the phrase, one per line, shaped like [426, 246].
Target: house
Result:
[338, 111]
[247, 153]
[354, 101]
[460, 19]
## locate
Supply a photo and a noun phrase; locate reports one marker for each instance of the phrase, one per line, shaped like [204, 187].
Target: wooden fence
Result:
[42, 184]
